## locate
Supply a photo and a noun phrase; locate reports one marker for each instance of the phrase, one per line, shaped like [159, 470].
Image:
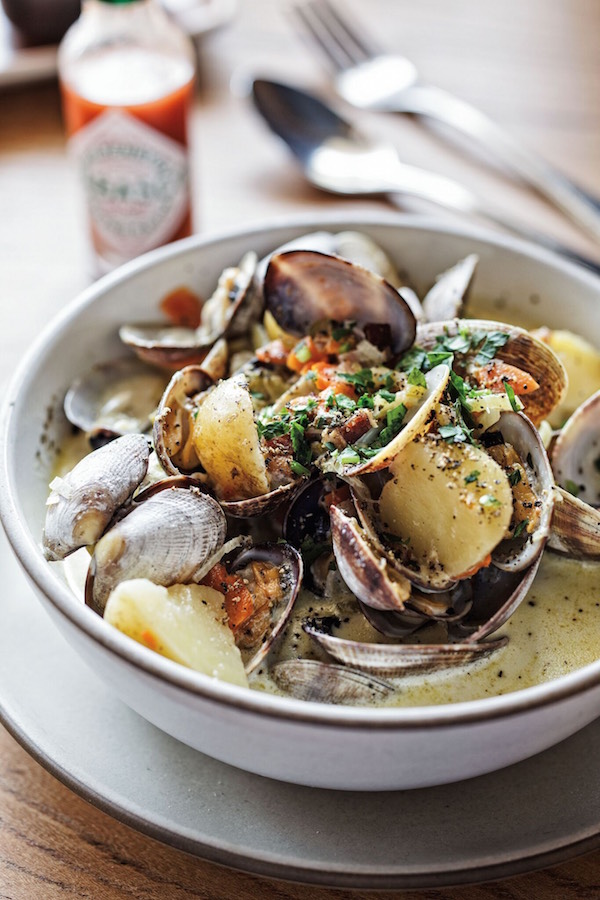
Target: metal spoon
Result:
[337, 158]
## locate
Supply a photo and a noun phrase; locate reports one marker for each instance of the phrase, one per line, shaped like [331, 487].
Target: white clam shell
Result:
[84, 501]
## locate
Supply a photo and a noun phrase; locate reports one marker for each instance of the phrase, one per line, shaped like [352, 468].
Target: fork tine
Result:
[347, 32]
[322, 37]
[338, 40]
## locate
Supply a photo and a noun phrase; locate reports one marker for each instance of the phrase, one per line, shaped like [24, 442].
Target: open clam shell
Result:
[446, 299]
[173, 424]
[307, 527]
[368, 574]
[262, 629]
[396, 660]
[354, 246]
[517, 553]
[521, 350]
[166, 538]
[84, 501]
[235, 302]
[415, 422]
[320, 682]
[302, 287]
[576, 452]
[575, 529]
[115, 397]
[496, 595]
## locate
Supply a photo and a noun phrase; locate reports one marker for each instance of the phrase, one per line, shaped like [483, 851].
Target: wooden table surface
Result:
[532, 65]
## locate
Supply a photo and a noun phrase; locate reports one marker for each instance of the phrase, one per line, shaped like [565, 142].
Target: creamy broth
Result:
[555, 630]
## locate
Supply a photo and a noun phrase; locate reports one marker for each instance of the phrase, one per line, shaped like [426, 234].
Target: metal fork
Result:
[370, 79]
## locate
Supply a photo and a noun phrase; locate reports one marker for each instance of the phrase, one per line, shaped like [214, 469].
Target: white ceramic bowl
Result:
[305, 743]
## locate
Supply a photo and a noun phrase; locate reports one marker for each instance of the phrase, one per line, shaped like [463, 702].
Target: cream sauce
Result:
[555, 630]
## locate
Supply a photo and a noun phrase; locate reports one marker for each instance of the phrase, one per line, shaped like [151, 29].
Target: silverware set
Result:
[337, 158]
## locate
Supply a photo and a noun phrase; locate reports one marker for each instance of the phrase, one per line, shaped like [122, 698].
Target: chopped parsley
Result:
[493, 342]
[520, 527]
[415, 376]
[511, 395]
[472, 476]
[515, 477]
[298, 469]
[457, 434]
[572, 488]
[361, 381]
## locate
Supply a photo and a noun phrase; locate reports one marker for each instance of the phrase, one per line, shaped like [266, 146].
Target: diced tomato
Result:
[327, 377]
[182, 307]
[239, 604]
[304, 354]
[339, 495]
[495, 373]
[474, 569]
[275, 352]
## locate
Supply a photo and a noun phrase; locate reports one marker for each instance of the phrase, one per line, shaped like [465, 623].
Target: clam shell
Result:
[516, 429]
[367, 573]
[83, 502]
[416, 421]
[116, 397]
[496, 595]
[166, 538]
[320, 682]
[395, 660]
[173, 425]
[175, 346]
[575, 529]
[264, 503]
[289, 563]
[302, 287]
[576, 452]
[445, 300]
[521, 350]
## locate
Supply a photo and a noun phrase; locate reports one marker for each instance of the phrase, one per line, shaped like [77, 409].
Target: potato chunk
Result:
[582, 362]
[450, 502]
[186, 623]
[227, 444]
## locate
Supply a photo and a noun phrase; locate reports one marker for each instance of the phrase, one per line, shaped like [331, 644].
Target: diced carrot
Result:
[239, 604]
[474, 569]
[495, 373]
[182, 307]
[274, 352]
[149, 638]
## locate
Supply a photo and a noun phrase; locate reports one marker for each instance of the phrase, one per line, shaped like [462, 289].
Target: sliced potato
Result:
[227, 444]
[185, 623]
[451, 502]
[582, 362]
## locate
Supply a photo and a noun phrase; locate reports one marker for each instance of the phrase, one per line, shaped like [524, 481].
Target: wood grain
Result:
[532, 65]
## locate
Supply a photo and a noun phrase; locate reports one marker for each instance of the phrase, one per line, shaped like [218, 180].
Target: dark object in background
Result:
[41, 21]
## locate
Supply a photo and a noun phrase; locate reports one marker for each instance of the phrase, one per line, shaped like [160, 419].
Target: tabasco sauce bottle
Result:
[127, 76]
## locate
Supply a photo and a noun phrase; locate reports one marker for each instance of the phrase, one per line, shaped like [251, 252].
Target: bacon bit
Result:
[275, 352]
[239, 604]
[495, 373]
[357, 425]
[485, 562]
[149, 638]
[182, 307]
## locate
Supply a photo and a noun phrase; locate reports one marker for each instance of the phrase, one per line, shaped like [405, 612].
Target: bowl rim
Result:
[176, 676]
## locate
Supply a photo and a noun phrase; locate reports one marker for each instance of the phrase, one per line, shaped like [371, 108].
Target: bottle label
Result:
[136, 182]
